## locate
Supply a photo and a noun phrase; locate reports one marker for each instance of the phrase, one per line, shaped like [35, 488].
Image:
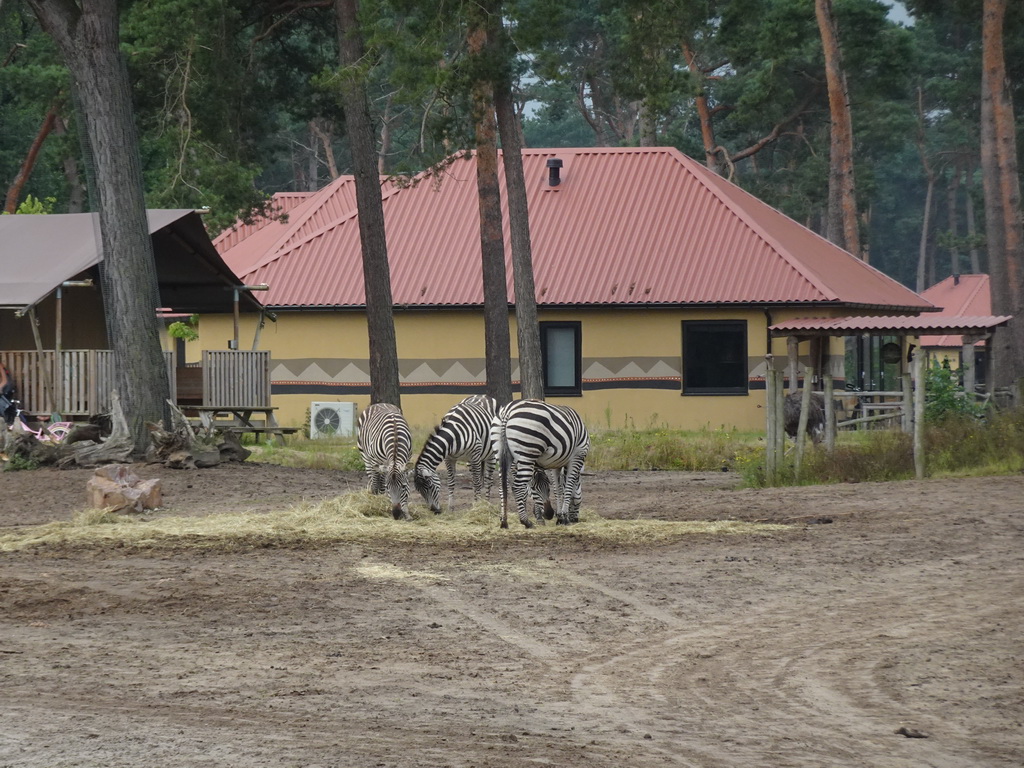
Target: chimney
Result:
[956, 279]
[553, 178]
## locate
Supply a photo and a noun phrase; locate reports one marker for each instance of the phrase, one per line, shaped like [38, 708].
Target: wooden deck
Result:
[76, 383]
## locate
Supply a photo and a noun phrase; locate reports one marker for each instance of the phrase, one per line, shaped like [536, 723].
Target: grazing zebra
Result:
[464, 433]
[386, 444]
[535, 436]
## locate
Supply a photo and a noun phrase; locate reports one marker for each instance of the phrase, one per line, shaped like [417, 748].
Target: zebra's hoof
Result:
[504, 524]
[527, 523]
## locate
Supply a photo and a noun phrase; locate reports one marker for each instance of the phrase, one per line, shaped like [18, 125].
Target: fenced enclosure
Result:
[77, 383]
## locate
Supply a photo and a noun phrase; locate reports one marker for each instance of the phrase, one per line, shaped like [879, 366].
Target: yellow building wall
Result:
[322, 357]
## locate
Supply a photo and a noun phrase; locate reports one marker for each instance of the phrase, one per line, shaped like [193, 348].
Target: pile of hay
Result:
[354, 518]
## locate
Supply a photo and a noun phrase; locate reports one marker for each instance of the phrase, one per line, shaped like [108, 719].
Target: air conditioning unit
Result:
[331, 420]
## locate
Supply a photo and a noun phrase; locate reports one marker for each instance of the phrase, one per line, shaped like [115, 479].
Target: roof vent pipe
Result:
[554, 164]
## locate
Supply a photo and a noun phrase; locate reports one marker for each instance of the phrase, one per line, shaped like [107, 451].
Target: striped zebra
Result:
[463, 434]
[386, 445]
[530, 437]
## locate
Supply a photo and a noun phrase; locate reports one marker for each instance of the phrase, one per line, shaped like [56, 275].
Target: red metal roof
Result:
[626, 226]
[239, 244]
[958, 295]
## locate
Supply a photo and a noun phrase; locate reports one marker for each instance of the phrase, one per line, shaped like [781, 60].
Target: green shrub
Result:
[20, 462]
[961, 444]
[945, 396]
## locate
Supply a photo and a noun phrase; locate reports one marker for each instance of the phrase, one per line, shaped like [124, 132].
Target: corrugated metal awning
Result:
[886, 325]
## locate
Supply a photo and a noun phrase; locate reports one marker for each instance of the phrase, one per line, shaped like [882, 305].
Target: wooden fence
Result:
[78, 382]
[236, 378]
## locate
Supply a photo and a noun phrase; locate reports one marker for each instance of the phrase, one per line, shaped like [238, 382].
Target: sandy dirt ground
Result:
[882, 628]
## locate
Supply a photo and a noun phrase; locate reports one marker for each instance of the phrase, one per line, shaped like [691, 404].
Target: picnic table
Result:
[240, 420]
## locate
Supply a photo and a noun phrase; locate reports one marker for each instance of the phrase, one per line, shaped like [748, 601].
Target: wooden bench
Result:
[279, 432]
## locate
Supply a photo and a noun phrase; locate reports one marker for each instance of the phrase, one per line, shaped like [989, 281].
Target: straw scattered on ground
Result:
[355, 517]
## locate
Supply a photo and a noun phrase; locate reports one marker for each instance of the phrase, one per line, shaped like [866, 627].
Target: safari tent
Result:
[53, 334]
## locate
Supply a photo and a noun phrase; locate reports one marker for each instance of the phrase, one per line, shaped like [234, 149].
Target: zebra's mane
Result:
[433, 433]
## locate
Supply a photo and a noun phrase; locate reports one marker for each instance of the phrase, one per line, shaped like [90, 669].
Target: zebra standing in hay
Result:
[531, 436]
[463, 434]
[385, 444]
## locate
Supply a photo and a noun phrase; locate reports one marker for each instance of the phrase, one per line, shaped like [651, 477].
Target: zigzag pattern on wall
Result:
[301, 375]
[468, 376]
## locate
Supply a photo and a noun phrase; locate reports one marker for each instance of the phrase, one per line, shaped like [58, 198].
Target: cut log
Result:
[116, 488]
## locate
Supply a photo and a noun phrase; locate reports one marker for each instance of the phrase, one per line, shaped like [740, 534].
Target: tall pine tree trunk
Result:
[842, 199]
[384, 376]
[14, 190]
[926, 226]
[952, 217]
[87, 37]
[972, 229]
[1003, 228]
[497, 346]
[707, 129]
[531, 374]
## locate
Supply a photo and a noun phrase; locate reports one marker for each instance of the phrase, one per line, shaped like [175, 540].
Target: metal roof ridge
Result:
[314, 203]
[795, 264]
[311, 205]
[276, 252]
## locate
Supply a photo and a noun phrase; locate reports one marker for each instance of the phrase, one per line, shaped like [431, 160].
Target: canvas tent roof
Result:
[38, 253]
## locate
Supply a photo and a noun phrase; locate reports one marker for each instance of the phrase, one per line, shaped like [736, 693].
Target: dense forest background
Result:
[238, 99]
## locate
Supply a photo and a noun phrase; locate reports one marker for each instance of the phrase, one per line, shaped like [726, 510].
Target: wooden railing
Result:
[79, 381]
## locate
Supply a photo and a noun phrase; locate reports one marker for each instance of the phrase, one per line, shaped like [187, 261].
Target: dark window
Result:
[561, 350]
[715, 357]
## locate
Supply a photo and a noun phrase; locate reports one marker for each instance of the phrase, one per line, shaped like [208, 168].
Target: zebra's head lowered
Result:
[425, 478]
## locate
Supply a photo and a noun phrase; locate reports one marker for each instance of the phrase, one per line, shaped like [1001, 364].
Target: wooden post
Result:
[234, 345]
[793, 350]
[58, 387]
[967, 366]
[907, 422]
[801, 430]
[770, 384]
[830, 412]
[919, 414]
[780, 420]
[45, 371]
[259, 330]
